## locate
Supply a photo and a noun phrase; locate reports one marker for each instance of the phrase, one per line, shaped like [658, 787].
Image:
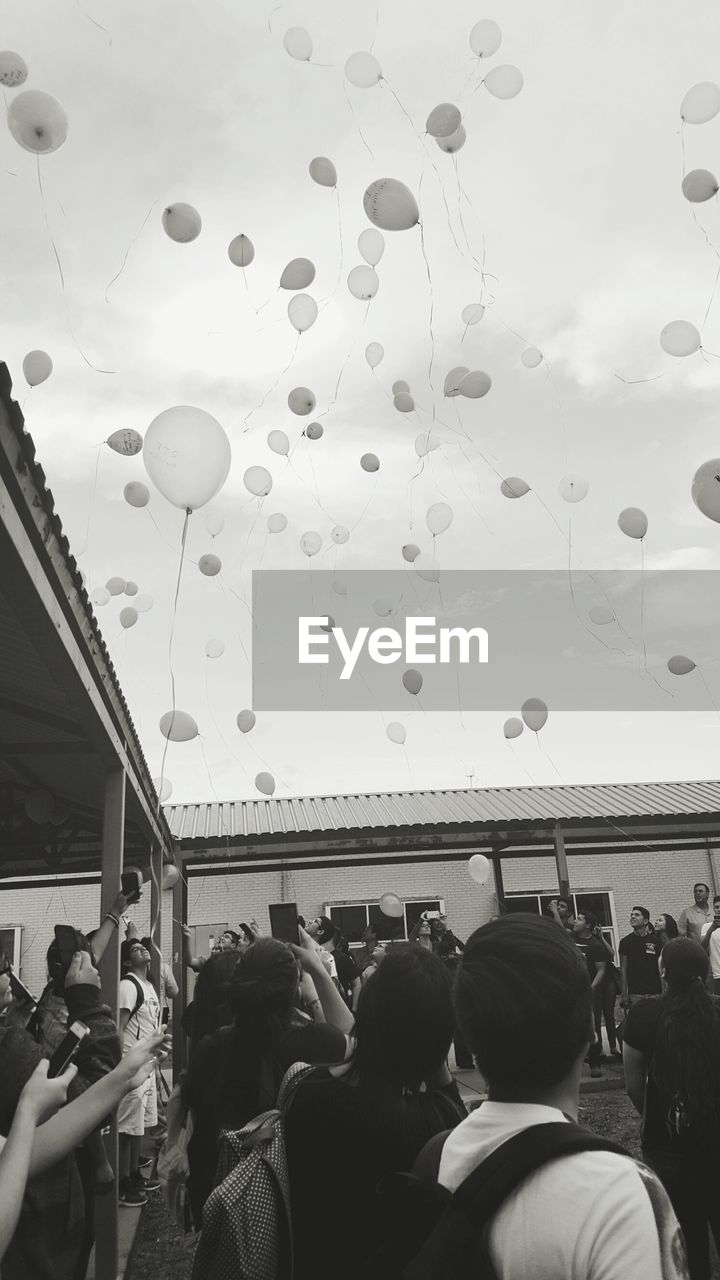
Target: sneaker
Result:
[596, 1073]
[144, 1162]
[143, 1185]
[130, 1196]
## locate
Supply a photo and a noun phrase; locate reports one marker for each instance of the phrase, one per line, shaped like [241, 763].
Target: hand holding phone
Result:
[43, 1095]
[284, 922]
[67, 1049]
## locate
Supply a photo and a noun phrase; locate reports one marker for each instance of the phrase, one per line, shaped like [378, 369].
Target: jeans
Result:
[604, 1007]
[693, 1192]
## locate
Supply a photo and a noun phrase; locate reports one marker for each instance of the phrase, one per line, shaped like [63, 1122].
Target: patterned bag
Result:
[247, 1232]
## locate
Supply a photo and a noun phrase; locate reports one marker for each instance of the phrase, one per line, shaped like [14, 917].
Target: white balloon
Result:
[214, 523]
[473, 313]
[187, 456]
[131, 588]
[706, 489]
[475, 384]
[370, 462]
[426, 443]
[439, 517]
[128, 617]
[390, 905]
[390, 205]
[279, 443]
[340, 534]
[323, 172]
[504, 82]
[301, 401]
[455, 142]
[214, 649]
[410, 552]
[679, 665]
[125, 441]
[701, 103]
[535, 713]
[116, 586]
[363, 283]
[298, 43]
[633, 522]
[246, 721]
[374, 353]
[427, 567]
[257, 480]
[453, 380]
[13, 69]
[403, 402]
[479, 868]
[399, 386]
[514, 487]
[101, 596]
[339, 588]
[209, 565]
[178, 726]
[371, 244]
[443, 121]
[241, 251]
[485, 38]
[573, 488]
[277, 523]
[384, 608]
[302, 312]
[513, 727]
[163, 786]
[136, 494]
[310, 543]
[37, 367]
[601, 615]
[37, 122]
[531, 357]
[298, 274]
[699, 185]
[170, 873]
[182, 223]
[363, 70]
[314, 431]
[396, 732]
[265, 783]
[144, 603]
[680, 338]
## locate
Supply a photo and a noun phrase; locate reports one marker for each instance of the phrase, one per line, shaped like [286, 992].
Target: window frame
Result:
[609, 931]
[413, 900]
[17, 931]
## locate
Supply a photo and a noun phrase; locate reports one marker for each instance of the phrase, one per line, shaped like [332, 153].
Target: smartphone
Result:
[164, 1017]
[131, 883]
[432, 915]
[248, 932]
[67, 1049]
[69, 941]
[20, 992]
[284, 922]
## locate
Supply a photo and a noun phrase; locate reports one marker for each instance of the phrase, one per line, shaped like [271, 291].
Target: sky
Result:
[570, 193]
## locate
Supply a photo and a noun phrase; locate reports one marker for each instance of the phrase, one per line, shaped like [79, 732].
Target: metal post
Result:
[561, 862]
[499, 886]
[156, 867]
[113, 837]
[179, 919]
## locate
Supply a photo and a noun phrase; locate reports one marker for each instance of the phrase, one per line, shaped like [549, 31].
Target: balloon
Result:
[170, 873]
[680, 665]
[210, 565]
[265, 783]
[163, 786]
[534, 713]
[125, 441]
[573, 488]
[680, 338]
[13, 69]
[339, 588]
[403, 402]
[310, 543]
[302, 312]
[374, 354]
[323, 172]
[363, 70]
[136, 494]
[101, 596]
[37, 366]
[241, 251]
[455, 142]
[473, 313]
[178, 726]
[426, 443]
[443, 121]
[706, 489]
[39, 805]
[699, 185]
[504, 82]
[370, 462]
[246, 721]
[384, 608]
[37, 122]
[131, 588]
[389, 205]
[298, 274]
[143, 603]
[475, 384]
[340, 535]
[700, 104]
[214, 523]
[279, 443]
[485, 38]
[531, 358]
[187, 456]
[396, 733]
[601, 615]
[298, 43]
[371, 244]
[277, 523]
[412, 681]
[427, 567]
[301, 401]
[438, 517]
[115, 586]
[128, 617]
[514, 487]
[328, 625]
[363, 283]
[479, 868]
[257, 480]
[314, 431]
[453, 380]
[214, 649]
[633, 522]
[513, 727]
[182, 223]
[399, 386]
[410, 552]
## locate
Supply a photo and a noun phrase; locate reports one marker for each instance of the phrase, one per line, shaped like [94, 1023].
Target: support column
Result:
[113, 839]
[156, 867]
[179, 918]
[499, 886]
[561, 862]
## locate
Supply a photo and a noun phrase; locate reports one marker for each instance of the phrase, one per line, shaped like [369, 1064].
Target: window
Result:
[352, 918]
[11, 944]
[600, 901]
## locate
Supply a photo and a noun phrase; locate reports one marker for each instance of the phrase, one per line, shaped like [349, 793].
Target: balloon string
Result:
[478, 266]
[345, 364]
[432, 302]
[188, 513]
[134, 240]
[269, 392]
[271, 15]
[642, 602]
[548, 757]
[708, 692]
[95, 24]
[71, 331]
[377, 26]
[363, 139]
[91, 507]
[407, 115]
[340, 235]
[522, 766]
[164, 539]
[711, 299]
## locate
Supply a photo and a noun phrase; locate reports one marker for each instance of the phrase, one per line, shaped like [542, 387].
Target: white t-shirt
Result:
[714, 949]
[147, 1019]
[590, 1216]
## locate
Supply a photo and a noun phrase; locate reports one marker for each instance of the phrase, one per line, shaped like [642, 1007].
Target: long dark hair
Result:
[686, 1061]
[671, 930]
[211, 1009]
[263, 994]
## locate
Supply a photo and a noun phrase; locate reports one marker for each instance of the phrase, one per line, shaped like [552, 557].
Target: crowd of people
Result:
[382, 1165]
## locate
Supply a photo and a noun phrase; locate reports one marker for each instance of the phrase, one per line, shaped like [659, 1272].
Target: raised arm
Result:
[333, 1006]
[102, 936]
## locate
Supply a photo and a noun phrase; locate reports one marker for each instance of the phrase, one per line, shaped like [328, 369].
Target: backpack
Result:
[247, 1232]
[432, 1234]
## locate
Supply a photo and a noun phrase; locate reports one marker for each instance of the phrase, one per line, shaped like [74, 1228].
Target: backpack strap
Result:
[293, 1077]
[140, 995]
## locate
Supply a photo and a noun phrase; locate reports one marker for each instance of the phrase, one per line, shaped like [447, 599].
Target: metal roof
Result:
[491, 807]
